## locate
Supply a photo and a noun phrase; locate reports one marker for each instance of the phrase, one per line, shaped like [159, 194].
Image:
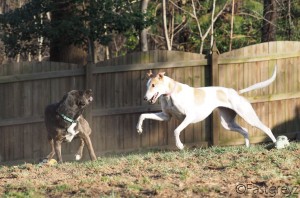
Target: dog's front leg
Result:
[177, 131]
[154, 116]
[78, 155]
[89, 146]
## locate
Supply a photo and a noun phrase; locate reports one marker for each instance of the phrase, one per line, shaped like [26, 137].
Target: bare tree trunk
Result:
[290, 26]
[201, 45]
[144, 32]
[270, 15]
[29, 57]
[165, 25]
[18, 58]
[172, 24]
[107, 55]
[231, 25]
[68, 54]
[199, 27]
[2, 7]
[40, 41]
[212, 24]
[203, 37]
[91, 51]
[59, 50]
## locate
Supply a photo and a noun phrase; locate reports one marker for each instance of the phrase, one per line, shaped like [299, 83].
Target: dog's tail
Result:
[260, 84]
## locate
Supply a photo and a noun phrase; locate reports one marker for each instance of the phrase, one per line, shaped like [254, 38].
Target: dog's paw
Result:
[77, 157]
[180, 146]
[139, 130]
[69, 137]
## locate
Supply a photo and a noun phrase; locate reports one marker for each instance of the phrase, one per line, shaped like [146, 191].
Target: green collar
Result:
[66, 118]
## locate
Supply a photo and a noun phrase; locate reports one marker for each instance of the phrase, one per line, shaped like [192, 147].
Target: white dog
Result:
[194, 104]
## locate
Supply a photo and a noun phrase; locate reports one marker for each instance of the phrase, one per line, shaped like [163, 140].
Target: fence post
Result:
[215, 82]
[88, 82]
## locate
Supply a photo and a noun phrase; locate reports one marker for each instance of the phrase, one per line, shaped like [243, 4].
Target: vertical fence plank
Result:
[28, 111]
[199, 130]
[2, 104]
[116, 91]
[215, 82]
[17, 134]
[88, 85]
[8, 112]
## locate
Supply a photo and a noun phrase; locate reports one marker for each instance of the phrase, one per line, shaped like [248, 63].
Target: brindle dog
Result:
[65, 116]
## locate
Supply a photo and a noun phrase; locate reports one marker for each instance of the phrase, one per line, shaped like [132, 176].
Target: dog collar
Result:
[66, 118]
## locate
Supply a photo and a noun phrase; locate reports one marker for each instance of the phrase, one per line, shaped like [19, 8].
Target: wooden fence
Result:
[277, 105]
[119, 86]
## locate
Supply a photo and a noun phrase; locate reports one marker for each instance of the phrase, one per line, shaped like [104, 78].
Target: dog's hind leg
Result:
[57, 147]
[228, 122]
[78, 155]
[246, 111]
[52, 153]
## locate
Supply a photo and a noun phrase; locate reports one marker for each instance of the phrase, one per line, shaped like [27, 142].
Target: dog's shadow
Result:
[289, 128]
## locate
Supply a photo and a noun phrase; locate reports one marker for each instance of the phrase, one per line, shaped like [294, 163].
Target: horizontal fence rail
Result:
[119, 85]
[138, 67]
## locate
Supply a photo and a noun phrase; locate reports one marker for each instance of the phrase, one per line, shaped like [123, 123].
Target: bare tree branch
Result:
[231, 25]
[165, 25]
[194, 16]
[208, 30]
[212, 24]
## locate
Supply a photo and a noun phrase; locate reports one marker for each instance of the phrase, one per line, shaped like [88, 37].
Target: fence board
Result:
[257, 63]
[119, 87]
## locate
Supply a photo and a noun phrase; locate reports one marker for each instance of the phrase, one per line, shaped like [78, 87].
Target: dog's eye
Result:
[153, 85]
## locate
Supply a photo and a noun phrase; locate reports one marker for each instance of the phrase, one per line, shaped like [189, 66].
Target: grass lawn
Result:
[213, 172]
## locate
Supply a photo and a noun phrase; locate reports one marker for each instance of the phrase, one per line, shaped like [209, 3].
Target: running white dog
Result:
[194, 104]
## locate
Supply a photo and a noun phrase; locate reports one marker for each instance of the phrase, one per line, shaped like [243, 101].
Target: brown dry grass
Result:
[212, 172]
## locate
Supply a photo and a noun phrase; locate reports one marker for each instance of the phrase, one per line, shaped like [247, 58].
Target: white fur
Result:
[179, 100]
[71, 132]
[77, 157]
[261, 84]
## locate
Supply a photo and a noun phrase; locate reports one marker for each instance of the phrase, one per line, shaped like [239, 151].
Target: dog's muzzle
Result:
[153, 99]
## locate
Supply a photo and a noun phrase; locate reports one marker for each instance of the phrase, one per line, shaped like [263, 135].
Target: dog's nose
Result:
[145, 98]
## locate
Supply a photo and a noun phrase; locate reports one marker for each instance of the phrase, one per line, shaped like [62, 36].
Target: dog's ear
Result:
[64, 97]
[67, 101]
[70, 99]
[149, 74]
[161, 75]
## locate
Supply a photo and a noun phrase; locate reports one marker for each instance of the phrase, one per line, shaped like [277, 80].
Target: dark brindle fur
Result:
[71, 105]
